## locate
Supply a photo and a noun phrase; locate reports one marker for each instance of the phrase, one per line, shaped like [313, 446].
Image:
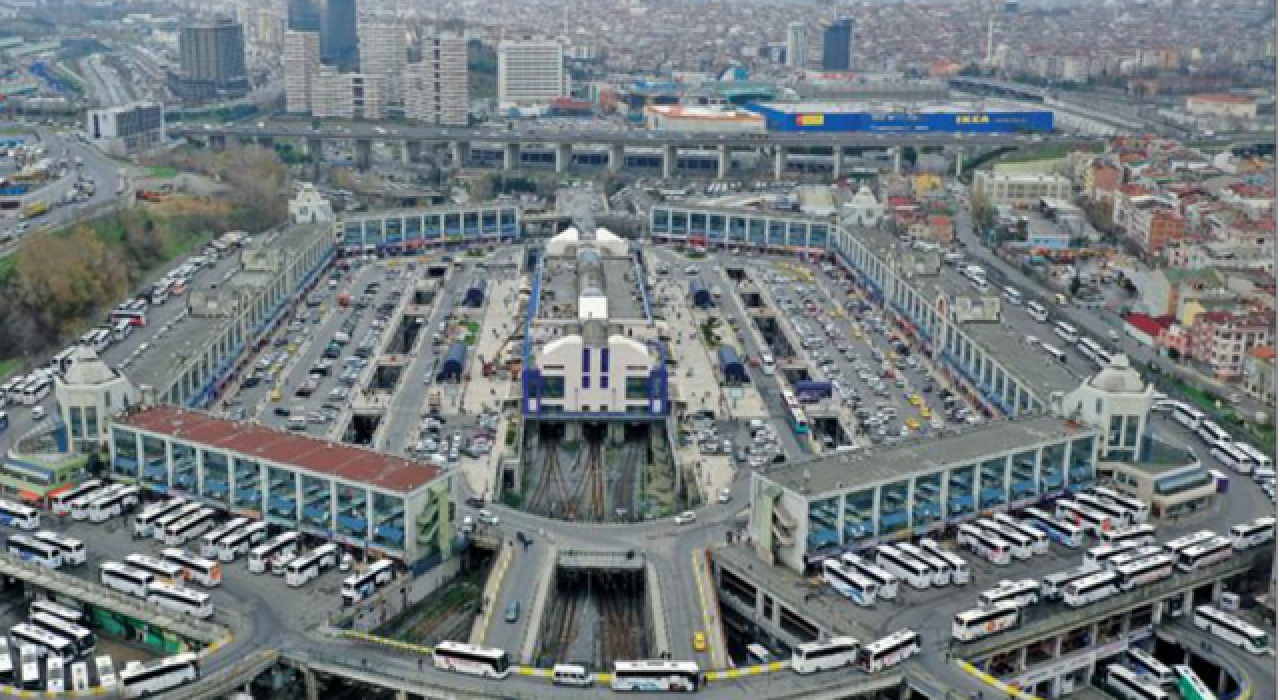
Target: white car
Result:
[686, 518]
[724, 495]
[488, 518]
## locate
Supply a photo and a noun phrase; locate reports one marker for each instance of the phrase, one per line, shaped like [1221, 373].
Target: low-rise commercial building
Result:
[1020, 189]
[127, 130]
[396, 230]
[1259, 374]
[714, 119]
[357, 497]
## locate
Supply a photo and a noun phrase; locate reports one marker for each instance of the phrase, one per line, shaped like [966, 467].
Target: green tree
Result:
[984, 213]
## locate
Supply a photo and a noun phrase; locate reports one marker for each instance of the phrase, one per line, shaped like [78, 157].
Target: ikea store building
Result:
[890, 119]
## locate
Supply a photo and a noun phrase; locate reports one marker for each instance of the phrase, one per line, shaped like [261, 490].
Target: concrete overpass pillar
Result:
[617, 157]
[837, 162]
[510, 156]
[725, 162]
[402, 694]
[564, 157]
[461, 151]
[413, 151]
[364, 154]
[897, 161]
[309, 682]
[669, 156]
[315, 148]
[959, 162]
[218, 142]
[779, 162]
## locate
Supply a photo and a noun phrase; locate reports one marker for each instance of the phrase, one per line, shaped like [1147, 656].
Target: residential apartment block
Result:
[435, 86]
[531, 72]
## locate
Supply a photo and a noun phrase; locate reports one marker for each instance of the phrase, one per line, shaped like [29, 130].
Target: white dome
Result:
[1118, 377]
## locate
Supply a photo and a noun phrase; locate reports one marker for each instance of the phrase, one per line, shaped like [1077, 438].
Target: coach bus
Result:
[1145, 571]
[358, 587]
[184, 600]
[1039, 541]
[1253, 533]
[125, 579]
[163, 571]
[1065, 534]
[73, 551]
[889, 651]
[1090, 589]
[825, 655]
[1021, 545]
[144, 522]
[1176, 546]
[959, 567]
[915, 573]
[31, 549]
[1097, 557]
[160, 524]
[940, 567]
[1138, 508]
[475, 660]
[994, 549]
[82, 638]
[656, 676]
[1150, 667]
[115, 503]
[311, 565]
[1091, 521]
[1120, 517]
[18, 515]
[1205, 554]
[209, 540]
[1131, 686]
[849, 583]
[1190, 685]
[53, 648]
[142, 679]
[1230, 629]
[1136, 536]
[205, 572]
[1020, 593]
[283, 545]
[242, 541]
[179, 532]
[886, 583]
[971, 625]
[1052, 586]
[61, 504]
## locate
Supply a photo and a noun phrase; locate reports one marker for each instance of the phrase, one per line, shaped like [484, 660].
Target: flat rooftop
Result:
[919, 455]
[559, 289]
[1029, 363]
[888, 107]
[322, 457]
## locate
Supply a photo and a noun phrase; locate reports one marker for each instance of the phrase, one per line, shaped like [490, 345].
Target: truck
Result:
[34, 209]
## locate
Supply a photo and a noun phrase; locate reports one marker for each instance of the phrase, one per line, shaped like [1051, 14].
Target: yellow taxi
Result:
[699, 641]
[913, 424]
[915, 400]
[275, 394]
[925, 412]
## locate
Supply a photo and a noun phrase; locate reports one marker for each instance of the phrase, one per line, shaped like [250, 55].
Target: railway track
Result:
[618, 622]
[624, 496]
[550, 475]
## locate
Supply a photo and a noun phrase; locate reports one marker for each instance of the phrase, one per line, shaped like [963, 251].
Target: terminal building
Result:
[592, 350]
[878, 117]
[397, 231]
[357, 497]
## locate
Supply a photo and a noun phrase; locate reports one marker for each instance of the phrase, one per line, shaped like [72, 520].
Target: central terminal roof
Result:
[847, 471]
[311, 454]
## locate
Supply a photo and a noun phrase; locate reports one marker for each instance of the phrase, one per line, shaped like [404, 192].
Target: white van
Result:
[298, 421]
[767, 363]
[570, 674]
[1013, 296]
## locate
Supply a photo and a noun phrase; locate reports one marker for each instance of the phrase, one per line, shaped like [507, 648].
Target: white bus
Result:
[1190, 540]
[656, 676]
[1205, 554]
[184, 600]
[1051, 586]
[886, 583]
[1066, 534]
[1090, 589]
[73, 551]
[241, 541]
[18, 515]
[889, 651]
[1013, 296]
[1137, 536]
[1149, 667]
[163, 571]
[283, 545]
[984, 622]
[51, 647]
[1053, 351]
[915, 573]
[83, 639]
[61, 612]
[1020, 593]
[178, 533]
[61, 504]
[1138, 509]
[1259, 460]
[29, 666]
[1134, 554]
[1020, 544]
[466, 658]
[1253, 533]
[124, 579]
[1037, 311]
[33, 550]
[311, 565]
[836, 652]
[1091, 521]
[1213, 434]
[1130, 686]
[7, 676]
[849, 583]
[1066, 331]
[209, 540]
[1097, 557]
[54, 678]
[1120, 517]
[1039, 541]
[106, 673]
[205, 572]
[144, 522]
[80, 677]
[35, 390]
[358, 587]
[1230, 629]
[959, 567]
[1145, 571]
[99, 339]
[160, 524]
[109, 505]
[1190, 685]
[990, 547]
[941, 569]
[1230, 455]
[1188, 416]
[137, 680]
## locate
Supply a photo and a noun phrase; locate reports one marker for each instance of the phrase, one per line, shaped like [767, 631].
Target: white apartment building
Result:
[1019, 189]
[797, 46]
[531, 72]
[435, 87]
[384, 56]
[346, 95]
[301, 63]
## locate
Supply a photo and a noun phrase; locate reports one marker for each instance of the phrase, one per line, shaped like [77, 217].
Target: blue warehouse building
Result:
[869, 118]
